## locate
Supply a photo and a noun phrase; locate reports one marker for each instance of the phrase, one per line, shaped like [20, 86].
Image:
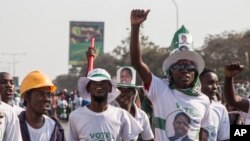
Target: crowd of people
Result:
[186, 104]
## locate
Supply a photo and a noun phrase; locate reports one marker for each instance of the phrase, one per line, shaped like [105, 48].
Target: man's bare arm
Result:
[137, 17]
[231, 98]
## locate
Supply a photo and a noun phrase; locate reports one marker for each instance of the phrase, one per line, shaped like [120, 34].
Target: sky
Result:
[36, 32]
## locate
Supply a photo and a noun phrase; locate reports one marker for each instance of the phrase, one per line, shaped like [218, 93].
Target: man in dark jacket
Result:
[36, 89]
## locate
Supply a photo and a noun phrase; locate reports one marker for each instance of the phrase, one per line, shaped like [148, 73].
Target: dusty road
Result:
[66, 128]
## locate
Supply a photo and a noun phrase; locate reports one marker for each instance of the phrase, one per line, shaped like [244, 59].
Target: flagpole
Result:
[91, 58]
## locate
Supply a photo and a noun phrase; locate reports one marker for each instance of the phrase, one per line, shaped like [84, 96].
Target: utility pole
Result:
[177, 14]
[14, 60]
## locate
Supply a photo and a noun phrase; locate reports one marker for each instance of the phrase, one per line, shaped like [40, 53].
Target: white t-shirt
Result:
[249, 107]
[220, 125]
[44, 133]
[113, 123]
[142, 118]
[10, 126]
[18, 109]
[168, 103]
[62, 103]
[246, 116]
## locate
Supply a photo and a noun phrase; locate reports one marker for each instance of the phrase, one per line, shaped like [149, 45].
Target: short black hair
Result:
[4, 73]
[27, 95]
[206, 70]
[183, 114]
[129, 71]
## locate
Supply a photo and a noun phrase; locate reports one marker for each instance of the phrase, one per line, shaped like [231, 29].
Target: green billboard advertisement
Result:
[80, 35]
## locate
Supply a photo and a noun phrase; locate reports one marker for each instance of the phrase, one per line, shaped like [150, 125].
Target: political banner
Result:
[80, 35]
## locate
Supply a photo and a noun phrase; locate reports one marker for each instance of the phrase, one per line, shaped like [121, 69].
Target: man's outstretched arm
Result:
[231, 98]
[137, 17]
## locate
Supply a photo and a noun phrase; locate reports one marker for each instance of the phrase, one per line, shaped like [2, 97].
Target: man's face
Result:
[204, 136]
[126, 98]
[7, 88]
[181, 126]
[99, 90]
[125, 77]
[183, 73]
[209, 85]
[39, 100]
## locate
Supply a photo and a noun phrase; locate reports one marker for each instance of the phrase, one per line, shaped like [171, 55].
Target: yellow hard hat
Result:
[36, 79]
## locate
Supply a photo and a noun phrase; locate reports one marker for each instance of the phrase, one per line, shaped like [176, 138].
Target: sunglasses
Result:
[182, 67]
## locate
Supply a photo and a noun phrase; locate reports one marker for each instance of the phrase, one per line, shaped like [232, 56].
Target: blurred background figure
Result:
[8, 92]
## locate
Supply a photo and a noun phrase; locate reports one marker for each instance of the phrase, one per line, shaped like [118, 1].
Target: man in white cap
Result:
[99, 120]
[180, 91]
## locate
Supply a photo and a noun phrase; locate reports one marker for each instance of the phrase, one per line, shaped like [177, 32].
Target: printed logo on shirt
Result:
[209, 133]
[181, 124]
[187, 110]
[101, 136]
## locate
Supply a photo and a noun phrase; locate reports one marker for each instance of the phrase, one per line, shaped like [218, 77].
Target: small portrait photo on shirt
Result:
[181, 123]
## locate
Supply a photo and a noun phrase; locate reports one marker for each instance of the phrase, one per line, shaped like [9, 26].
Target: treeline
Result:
[217, 51]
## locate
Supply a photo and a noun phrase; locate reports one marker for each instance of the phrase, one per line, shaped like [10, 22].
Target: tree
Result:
[150, 53]
[217, 51]
[66, 81]
[221, 49]
[120, 56]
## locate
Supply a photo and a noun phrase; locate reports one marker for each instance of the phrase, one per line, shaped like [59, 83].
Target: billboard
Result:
[80, 34]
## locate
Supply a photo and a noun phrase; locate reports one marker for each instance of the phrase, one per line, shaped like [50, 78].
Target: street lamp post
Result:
[177, 14]
[14, 60]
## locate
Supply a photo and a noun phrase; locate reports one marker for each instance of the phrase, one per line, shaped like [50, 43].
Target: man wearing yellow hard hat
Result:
[36, 89]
